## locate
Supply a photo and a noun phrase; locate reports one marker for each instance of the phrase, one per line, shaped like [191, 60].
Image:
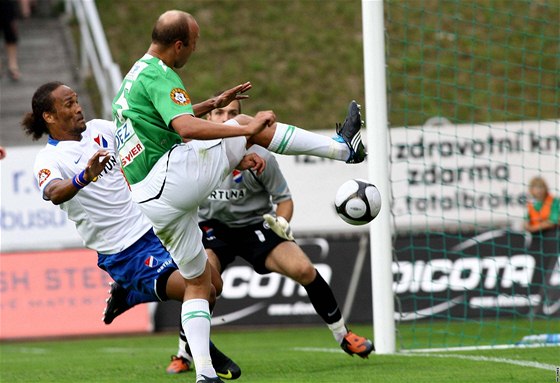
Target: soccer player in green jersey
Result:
[173, 160]
[233, 223]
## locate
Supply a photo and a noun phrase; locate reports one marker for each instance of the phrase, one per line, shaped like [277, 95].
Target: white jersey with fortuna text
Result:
[105, 216]
[243, 197]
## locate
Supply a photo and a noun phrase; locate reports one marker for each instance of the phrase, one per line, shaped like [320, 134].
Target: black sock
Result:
[323, 300]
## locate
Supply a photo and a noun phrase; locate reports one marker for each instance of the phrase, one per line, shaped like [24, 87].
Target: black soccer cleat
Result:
[116, 303]
[224, 366]
[349, 133]
[206, 379]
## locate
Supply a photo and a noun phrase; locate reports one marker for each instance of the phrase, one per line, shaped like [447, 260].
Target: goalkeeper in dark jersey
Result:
[247, 223]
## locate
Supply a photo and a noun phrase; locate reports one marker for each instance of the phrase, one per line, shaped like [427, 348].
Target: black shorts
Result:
[253, 243]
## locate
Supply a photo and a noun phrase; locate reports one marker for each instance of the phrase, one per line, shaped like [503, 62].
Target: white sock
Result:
[339, 330]
[195, 319]
[182, 352]
[289, 139]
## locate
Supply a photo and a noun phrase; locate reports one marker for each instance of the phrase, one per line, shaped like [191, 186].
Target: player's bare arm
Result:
[285, 209]
[223, 99]
[59, 191]
[252, 161]
[194, 128]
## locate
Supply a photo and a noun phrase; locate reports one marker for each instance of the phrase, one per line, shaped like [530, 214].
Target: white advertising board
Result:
[27, 221]
[463, 176]
[452, 177]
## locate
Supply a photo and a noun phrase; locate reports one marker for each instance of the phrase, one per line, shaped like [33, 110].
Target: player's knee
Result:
[218, 286]
[305, 275]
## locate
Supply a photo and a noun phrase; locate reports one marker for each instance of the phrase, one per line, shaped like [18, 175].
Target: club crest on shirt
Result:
[237, 176]
[43, 176]
[208, 233]
[101, 141]
[151, 261]
[179, 96]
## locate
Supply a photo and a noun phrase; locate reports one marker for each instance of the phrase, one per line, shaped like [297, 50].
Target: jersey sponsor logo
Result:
[101, 141]
[123, 133]
[112, 164]
[165, 265]
[43, 176]
[130, 150]
[179, 96]
[227, 195]
[151, 261]
[237, 176]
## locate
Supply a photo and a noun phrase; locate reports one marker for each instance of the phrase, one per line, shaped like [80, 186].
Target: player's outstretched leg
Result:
[346, 145]
[354, 344]
[349, 133]
[324, 302]
[116, 303]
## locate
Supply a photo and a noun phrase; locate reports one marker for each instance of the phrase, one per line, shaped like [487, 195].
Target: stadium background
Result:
[313, 96]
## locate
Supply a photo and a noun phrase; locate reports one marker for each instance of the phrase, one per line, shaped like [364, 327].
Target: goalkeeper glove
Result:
[280, 226]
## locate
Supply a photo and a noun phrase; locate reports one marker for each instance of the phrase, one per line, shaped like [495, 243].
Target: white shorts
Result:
[176, 186]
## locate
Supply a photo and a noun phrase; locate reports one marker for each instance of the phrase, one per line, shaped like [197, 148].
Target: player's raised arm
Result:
[59, 191]
[222, 99]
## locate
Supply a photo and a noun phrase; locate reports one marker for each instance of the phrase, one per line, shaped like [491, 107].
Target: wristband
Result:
[79, 181]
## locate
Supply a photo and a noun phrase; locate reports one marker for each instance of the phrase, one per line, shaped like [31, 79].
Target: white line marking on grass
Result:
[477, 348]
[317, 349]
[32, 350]
[522, 363]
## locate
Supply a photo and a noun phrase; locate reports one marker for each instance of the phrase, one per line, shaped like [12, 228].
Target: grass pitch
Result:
[294, 355]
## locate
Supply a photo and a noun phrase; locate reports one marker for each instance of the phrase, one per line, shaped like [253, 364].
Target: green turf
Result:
[449, 333]
[295, 355]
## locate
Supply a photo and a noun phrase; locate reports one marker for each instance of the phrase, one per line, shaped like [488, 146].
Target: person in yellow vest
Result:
[543, 211]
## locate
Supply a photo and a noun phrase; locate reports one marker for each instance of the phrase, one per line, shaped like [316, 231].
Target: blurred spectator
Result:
[9, 11]
[2, 153]
[543, 210]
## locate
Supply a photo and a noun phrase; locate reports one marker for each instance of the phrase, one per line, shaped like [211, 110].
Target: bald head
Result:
[172, 26]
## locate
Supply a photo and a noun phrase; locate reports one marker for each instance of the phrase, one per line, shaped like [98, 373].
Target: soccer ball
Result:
[357, 202]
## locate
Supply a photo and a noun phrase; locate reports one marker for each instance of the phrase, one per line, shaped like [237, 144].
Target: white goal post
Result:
[378, 173]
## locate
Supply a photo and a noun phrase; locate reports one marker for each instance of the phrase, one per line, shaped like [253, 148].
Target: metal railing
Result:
[95, 56]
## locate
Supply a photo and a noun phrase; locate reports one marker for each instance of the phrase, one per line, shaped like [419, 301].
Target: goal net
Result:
[473, 107]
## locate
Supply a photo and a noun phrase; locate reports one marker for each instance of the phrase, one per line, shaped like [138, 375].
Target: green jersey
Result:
[150, 97]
